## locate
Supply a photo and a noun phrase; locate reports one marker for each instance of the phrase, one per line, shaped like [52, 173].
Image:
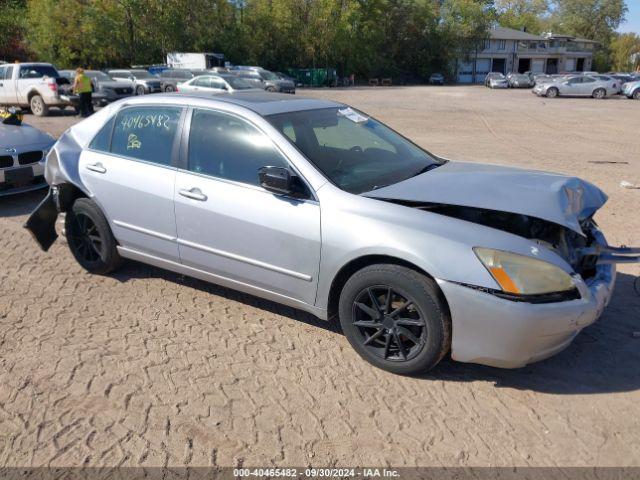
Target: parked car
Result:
[37, 86]
[171, 78]
[520, 80]
[577, 85]
[498, 82]
[215, 83]
[284, 76]
[492, 75]
[632, 90]
[105, 89]
[22, 151]
[541, 78]
[143, 81]
[436, 79]
[417, 256]
[270, 81]
[614, 83]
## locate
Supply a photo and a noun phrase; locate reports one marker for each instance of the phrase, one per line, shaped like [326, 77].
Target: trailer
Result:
[195, 61]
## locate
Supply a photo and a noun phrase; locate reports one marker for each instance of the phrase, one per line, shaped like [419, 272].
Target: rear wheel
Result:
[395, 318]
[38, 107]
[169, 88]
[636, 94]
[139, 90]
[599, 93]
[90, 239]
[271, 89]
[552, 92]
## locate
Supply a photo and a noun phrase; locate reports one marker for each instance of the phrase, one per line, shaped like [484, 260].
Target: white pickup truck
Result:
[36, 86]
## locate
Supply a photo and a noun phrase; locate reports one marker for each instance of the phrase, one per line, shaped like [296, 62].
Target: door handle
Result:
[194, 194]
[96, 167]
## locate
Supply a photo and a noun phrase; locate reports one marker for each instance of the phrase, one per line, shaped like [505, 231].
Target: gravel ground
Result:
[146, 367]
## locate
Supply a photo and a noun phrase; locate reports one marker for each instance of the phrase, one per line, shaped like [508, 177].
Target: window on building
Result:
[502, 44]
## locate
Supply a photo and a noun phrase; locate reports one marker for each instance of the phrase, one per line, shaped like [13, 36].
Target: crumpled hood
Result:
[549, 196]
[13, 136]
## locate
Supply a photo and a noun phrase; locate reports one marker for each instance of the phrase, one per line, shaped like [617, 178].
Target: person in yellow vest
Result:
[82, 86]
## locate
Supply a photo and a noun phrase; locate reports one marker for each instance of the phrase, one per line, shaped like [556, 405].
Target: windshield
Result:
[238, 83]
[142, 74]
[267, 75]
[99, 76]
[357, 153]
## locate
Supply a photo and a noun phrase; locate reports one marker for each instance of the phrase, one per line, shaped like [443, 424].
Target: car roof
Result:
[261, 102]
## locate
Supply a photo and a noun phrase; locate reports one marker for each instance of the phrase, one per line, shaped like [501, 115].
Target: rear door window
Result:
[146, 133]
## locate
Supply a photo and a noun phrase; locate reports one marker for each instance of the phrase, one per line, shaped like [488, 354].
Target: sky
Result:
[633, 17]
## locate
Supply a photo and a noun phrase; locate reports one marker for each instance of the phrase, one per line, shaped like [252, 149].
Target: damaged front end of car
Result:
[583, 252]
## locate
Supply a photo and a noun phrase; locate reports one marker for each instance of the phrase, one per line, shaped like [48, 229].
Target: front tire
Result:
[38, 107]
[552, 92]
[140, 90]
[395, 318]
[169, 88]
[90, 239]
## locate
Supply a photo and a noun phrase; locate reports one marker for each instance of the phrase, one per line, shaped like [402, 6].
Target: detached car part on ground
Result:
[22, 152]
[417, 256]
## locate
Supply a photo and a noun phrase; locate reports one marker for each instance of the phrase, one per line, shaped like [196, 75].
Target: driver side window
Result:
[226, 146]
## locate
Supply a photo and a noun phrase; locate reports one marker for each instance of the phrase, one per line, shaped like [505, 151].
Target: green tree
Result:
[625, 52]
[12, 27]
[522, 14]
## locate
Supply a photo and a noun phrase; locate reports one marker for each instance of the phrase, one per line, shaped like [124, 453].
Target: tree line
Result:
[396, 38]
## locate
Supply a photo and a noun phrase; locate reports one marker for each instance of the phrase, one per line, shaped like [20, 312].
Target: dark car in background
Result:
[143, 81]
[105, 89]
[172, 77]
[268, 80]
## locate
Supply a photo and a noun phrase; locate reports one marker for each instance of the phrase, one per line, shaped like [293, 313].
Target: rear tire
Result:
[636, 95]
[395, 318]
[552, 92]
[169, 88]
[271, 89]
[38, 107]
[140, 90]
[599, 93]
[90, 239]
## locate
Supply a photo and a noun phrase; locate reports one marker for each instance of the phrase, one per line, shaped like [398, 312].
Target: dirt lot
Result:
[145, 367]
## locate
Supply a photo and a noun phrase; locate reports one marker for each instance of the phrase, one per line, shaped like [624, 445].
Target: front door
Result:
[130, 172]
[229, 226]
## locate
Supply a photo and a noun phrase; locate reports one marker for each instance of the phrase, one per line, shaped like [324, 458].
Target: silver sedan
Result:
[577, 86]
[316, 205]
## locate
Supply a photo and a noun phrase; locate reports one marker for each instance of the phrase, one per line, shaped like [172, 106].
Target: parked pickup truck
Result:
[36, 86]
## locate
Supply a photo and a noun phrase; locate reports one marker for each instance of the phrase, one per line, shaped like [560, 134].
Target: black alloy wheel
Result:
[90, 238]
[84, 238]
[389, 323]
[396, 318]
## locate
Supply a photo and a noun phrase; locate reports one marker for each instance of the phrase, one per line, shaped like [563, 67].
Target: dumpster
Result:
[314, 77]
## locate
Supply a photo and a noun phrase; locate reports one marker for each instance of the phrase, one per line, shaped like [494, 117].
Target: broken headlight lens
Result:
[524, 275]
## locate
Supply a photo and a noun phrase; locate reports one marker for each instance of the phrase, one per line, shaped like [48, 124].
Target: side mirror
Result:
[276, 179]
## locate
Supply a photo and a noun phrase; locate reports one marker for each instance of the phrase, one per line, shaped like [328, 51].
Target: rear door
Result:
[229, 226]
[130, 169]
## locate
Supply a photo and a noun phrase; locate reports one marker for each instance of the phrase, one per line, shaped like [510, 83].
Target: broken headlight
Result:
[522, 275]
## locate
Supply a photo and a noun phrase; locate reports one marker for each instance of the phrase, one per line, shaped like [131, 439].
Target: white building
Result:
[509, 50]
